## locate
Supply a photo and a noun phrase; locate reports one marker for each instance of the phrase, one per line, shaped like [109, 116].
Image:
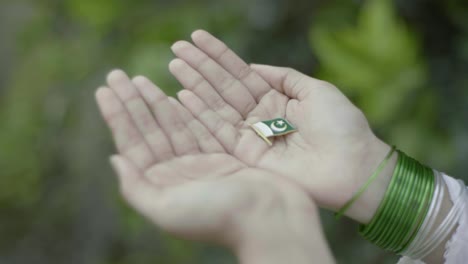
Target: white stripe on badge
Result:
[264, 129]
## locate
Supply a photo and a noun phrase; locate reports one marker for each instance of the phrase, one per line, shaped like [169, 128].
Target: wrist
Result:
[283, 230]
[397, 229]
[366, 205]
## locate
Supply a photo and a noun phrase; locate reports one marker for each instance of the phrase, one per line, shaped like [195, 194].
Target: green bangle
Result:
[429, 188]
[385, 236]
[401, 213]
[403, 208]
[370, 232]
[364, 187]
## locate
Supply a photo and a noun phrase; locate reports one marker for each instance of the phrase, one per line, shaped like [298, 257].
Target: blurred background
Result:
[404, 62]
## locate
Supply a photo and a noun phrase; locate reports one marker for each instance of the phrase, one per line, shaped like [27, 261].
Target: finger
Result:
[274, 104]
[228, 87]
[232, 63]
[137, 190]
[141, 115]
[206, 141]
[182, 140]
[193, 81]
[224, 132]
[128, 139]
[288, 81]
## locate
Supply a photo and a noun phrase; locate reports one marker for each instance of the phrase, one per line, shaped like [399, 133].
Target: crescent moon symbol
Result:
[278, 129]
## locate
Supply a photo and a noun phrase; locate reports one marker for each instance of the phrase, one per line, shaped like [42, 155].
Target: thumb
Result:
[134, 187]
[288, 81]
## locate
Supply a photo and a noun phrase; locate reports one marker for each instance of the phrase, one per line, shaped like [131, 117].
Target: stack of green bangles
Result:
[404, 206]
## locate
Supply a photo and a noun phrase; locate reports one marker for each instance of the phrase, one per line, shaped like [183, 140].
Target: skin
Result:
[331, 155]
[175, 172]
[175, 156]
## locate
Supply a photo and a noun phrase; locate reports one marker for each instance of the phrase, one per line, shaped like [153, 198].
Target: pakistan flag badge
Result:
[272, 128]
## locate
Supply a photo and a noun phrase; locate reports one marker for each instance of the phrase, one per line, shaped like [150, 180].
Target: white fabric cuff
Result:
[456, 249]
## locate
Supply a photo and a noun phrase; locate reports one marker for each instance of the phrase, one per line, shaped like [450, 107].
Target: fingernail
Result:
[180, 92]
[171, 98]
[177, 44]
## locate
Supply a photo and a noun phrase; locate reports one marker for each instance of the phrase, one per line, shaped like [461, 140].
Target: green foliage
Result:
[377, 61]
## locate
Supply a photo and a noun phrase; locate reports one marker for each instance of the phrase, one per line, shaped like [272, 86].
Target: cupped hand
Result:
[176, 173]
[331, 154]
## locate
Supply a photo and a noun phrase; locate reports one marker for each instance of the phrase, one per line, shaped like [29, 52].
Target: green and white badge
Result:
[272, 128]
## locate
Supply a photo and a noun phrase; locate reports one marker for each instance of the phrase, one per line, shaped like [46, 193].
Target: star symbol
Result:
[280, 122]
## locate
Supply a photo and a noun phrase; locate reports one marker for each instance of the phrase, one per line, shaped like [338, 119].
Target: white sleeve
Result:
[456, 249]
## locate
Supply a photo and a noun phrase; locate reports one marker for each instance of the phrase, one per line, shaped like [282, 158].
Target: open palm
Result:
[175, 172]
[334, 148]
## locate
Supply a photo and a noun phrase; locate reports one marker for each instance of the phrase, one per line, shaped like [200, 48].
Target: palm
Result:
[226, 95]
[187, 197]
[172, 169]
[324, 134]
[192, 195]
[301, 155]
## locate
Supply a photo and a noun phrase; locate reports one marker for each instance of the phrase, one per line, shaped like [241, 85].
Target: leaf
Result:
[376, 61]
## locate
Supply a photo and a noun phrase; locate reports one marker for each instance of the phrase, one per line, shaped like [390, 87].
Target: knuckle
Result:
[218, 125]
[218, 103]
[249, 106]
[179, 125]
[244, 72]
[226, 84]
[201, 133]
[202, 63]
[197, 83]
[224, 49]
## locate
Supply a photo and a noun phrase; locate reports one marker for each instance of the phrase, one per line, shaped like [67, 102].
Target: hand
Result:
[334, 150]
[174, 171]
